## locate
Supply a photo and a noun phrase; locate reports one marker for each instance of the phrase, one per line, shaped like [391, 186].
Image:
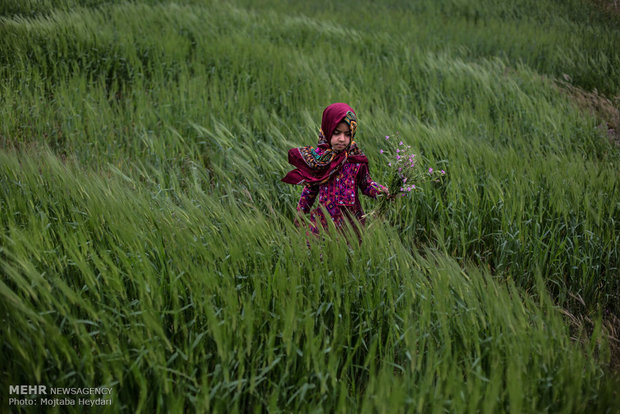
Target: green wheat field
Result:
[147, 244]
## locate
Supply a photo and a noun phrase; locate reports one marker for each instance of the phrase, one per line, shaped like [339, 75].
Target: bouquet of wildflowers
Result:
[407, 171]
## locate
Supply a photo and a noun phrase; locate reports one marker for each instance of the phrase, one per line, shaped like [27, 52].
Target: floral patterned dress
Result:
[339, 196]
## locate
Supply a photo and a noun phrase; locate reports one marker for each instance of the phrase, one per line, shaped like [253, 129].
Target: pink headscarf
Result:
[317, 165]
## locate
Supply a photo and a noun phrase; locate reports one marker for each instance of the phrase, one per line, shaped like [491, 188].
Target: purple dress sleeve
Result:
[308, 195]
[367, 185]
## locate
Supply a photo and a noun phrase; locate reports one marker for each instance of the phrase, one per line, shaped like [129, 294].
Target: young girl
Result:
[334, 170]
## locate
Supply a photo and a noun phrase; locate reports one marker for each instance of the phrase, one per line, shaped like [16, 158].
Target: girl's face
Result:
[341, 137]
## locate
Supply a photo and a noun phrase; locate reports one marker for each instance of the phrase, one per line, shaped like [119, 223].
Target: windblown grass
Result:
[207, 304]
[148, 244]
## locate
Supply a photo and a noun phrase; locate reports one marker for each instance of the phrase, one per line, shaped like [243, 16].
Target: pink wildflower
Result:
[430, 170]
[380, 151]
[387, 137]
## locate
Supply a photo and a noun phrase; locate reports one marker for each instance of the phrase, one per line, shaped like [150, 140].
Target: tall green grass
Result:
[204, 304]
[148, 244]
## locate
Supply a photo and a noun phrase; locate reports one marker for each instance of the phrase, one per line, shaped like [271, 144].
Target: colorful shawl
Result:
[317, 165]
